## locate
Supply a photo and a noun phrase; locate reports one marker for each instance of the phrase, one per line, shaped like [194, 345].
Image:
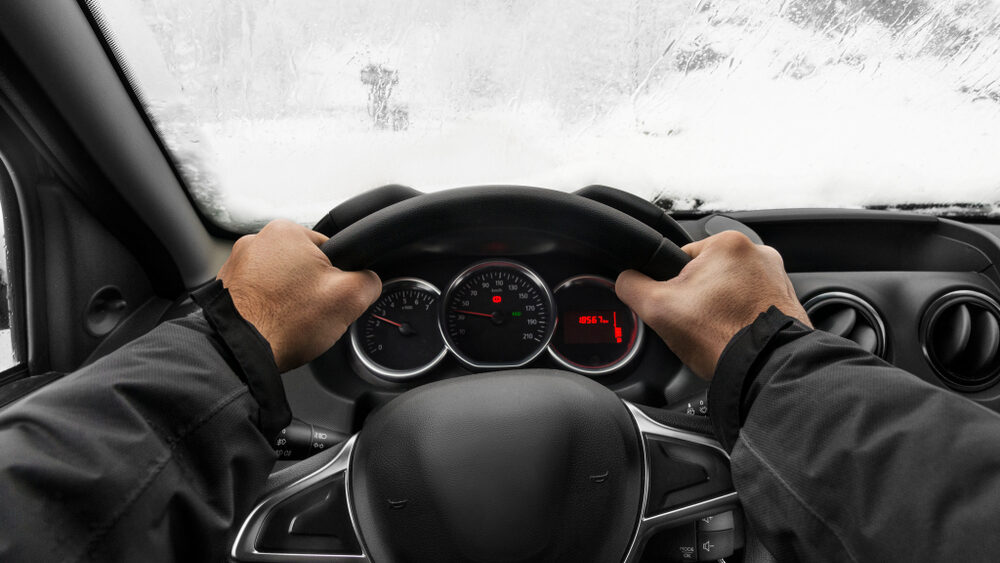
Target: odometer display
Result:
[592, 327]
[497, 314]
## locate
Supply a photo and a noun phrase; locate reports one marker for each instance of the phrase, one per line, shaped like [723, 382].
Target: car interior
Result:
[498, 340]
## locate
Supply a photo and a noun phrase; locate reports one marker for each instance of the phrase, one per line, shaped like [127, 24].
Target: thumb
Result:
[637, 290]
[351, 293]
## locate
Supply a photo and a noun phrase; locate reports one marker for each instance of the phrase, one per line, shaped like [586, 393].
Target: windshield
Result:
[287, 108]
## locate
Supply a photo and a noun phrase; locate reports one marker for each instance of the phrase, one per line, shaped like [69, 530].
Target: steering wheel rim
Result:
[632, 243]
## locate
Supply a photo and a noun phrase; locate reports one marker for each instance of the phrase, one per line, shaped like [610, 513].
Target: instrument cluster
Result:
[496, 314]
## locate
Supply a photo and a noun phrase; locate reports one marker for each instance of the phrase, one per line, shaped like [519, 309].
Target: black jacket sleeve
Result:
[148, 454]
[839, 456]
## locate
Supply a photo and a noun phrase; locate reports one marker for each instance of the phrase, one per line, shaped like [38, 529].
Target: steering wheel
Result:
[520, 465]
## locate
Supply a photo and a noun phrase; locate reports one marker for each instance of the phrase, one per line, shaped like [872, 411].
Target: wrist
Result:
[730, 395]
[256, 314]
[251, 352]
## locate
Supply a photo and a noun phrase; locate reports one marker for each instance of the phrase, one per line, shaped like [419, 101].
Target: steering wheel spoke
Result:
[686, 479]
[309, 520]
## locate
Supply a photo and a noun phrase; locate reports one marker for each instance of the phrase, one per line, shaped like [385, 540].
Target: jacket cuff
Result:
[739, 375]
[251, 354]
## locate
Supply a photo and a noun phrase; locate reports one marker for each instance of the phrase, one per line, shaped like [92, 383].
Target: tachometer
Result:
[497, 314]
[397, 337]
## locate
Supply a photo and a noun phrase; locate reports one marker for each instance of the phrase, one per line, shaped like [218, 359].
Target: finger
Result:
[353, 292]
[695, 248]
[317, 238]
[634, 288]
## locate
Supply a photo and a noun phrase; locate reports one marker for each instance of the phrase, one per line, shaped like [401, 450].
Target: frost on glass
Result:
[286, 108]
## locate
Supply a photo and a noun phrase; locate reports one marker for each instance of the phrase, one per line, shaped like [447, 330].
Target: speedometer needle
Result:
[488, 315]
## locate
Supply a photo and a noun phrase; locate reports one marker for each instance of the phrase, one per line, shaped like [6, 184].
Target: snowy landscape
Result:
[287, 108]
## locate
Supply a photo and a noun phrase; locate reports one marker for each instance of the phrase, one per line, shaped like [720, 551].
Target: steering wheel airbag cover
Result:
[625, 239]
[531, 465]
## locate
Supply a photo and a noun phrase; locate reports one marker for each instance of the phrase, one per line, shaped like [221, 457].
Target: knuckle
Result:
[242, 242]
[280, 226]
[735, 240]
[768, 250]
[771, 253]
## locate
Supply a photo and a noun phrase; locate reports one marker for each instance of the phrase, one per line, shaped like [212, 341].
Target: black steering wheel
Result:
[520, 465]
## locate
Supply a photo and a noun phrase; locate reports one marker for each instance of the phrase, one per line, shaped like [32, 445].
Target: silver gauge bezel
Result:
[378, 369]
[523, 270]
[605, 369]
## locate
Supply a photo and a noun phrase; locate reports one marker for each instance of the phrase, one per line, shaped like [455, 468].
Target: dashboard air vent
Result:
[850, 317]
[961, 338]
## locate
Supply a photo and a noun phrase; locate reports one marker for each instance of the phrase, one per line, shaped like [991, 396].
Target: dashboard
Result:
[918, 291]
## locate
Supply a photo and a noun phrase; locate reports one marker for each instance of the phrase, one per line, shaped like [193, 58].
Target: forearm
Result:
[156, 443]
[843, 457]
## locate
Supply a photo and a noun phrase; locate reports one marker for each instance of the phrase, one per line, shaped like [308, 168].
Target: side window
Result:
[10, 343]
[8, 358]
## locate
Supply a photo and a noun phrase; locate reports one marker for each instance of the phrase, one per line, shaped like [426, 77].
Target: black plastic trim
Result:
[58, 47]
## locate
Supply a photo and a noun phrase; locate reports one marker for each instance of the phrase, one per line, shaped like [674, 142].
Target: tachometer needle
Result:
[385, 320]
[489, 315]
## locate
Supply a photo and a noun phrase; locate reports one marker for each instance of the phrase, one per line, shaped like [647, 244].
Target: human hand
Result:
[727, 284]
[283, 284]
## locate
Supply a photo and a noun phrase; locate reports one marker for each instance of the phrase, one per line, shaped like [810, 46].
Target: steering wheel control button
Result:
[676, 545]
[596, 333]
[682, 473]
[397, 338]
[713, 546]
[528, 466]
[695, 405]
[497, 314]
[315, 520]
[717, 523]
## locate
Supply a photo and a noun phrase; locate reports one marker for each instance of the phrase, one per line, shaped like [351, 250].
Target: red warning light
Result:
[497, 299]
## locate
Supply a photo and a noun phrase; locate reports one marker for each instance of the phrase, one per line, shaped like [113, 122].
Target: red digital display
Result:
[591, 327]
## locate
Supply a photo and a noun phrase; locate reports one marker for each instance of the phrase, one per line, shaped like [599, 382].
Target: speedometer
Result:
[497, 314]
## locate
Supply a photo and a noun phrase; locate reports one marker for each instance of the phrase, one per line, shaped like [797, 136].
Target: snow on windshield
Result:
[287, 108]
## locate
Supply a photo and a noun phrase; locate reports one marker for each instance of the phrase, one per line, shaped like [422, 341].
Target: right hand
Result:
[725, 286]
[283, 284]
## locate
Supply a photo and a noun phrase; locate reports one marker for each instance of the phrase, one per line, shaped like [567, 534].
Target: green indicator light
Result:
[516, 313]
